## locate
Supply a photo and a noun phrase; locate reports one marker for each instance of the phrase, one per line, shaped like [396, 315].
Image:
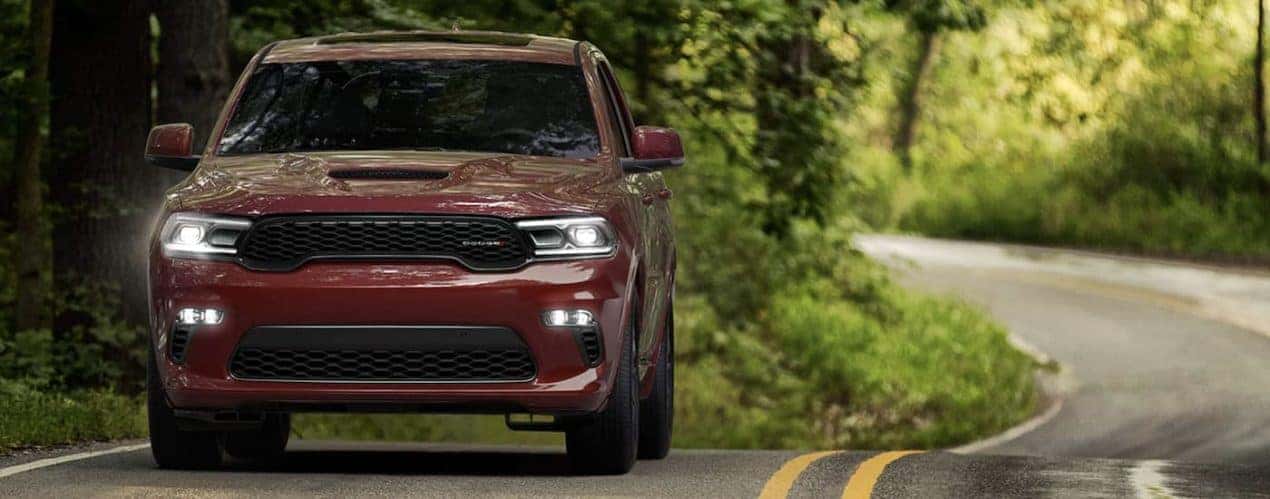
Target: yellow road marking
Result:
[866, 475]
[778, 485]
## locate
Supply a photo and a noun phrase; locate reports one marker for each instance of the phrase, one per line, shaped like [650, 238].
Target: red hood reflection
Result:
[473, 183]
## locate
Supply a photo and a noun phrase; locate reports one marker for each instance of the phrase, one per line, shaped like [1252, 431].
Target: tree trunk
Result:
[1259, 91]
[911, 100]
[32, 254]
[193, 67]
[101, 82]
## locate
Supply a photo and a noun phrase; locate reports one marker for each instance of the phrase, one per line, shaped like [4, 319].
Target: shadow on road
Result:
[395, 462]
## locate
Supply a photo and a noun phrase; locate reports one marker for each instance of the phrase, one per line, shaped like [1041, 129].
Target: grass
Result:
[925, 373]
[31, 418]
[1050, 210]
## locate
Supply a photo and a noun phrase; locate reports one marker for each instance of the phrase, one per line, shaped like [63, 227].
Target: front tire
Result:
[657, 413]
[172, 447]
[607, 443]
[264, 444]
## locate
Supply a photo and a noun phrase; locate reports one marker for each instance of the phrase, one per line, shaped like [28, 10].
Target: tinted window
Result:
[489, 106]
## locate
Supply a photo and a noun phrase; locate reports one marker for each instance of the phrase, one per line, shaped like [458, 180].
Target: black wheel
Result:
[172, 447]
[264, 444]
[606, 443]
[657, 412]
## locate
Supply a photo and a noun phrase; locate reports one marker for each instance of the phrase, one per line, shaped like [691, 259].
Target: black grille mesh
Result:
[382, 365]
[387, 174]
[287, 242]
[590, 342]
[179, 342]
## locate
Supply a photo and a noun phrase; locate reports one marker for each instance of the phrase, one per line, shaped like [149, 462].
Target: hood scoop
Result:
[386, 174]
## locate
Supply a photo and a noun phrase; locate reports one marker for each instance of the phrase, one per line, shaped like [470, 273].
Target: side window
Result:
[619, 119]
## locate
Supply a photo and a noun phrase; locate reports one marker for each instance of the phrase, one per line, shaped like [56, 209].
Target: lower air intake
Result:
[382, 354]
[383, 365]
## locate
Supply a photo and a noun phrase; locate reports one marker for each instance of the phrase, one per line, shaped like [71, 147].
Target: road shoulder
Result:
[18, 458]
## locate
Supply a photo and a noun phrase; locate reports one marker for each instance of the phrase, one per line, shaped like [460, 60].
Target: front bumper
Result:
[386, 294]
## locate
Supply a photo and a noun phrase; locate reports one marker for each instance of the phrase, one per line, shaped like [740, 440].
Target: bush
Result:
[1145, 144]
[915, 372]
[31, 417]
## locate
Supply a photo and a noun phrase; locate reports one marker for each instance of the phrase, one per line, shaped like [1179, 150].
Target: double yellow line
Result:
[859, 486]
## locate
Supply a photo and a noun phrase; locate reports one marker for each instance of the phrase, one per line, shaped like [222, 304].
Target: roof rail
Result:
[473, 37]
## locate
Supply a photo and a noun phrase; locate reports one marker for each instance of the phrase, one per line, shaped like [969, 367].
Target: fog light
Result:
[188, 234]
[211, 316]
[568, 318]
[193, 316]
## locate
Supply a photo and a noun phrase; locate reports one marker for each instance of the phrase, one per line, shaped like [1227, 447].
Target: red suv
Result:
[416, 222]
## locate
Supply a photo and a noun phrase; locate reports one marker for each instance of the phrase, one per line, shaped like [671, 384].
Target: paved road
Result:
[335, 469]
[1160, 402]
[1152, 380]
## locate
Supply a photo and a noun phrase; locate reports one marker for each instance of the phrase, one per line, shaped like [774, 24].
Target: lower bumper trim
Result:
[382, 354]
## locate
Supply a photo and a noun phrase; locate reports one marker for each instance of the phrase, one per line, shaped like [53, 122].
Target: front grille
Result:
[382, 354]
[383, 365]
[387, 174]
[286, 242]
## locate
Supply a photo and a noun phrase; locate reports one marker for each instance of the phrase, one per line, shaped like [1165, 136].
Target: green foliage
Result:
[935, 15]
[1089, 123]
[814, 347]
[13, 55]
[30, 417]
[99, 351]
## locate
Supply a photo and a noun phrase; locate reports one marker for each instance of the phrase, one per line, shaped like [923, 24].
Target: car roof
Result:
[488, 45]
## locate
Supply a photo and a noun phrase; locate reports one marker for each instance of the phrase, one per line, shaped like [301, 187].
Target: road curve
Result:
[1152, 379]
[1165, 403]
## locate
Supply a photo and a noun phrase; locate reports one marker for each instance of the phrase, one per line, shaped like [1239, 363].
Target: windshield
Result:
[488, 106]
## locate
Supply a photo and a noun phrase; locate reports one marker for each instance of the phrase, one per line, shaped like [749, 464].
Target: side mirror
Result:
[169, 146]
[654, 149]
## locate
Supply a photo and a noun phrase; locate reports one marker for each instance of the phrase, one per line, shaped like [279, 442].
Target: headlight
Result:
[197, 236]
[569, 237]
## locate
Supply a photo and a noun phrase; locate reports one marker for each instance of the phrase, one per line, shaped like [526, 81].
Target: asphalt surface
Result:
[1155, 401]
[1145, 378]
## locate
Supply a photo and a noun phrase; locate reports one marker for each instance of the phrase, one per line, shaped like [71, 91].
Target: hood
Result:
[395, 182]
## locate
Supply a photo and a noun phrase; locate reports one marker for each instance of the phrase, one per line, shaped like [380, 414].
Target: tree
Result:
[101, 82]
[910, 99]
[193, 68]
[930, 18]
[794, 152]
[1259, 91]
[32, 257]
